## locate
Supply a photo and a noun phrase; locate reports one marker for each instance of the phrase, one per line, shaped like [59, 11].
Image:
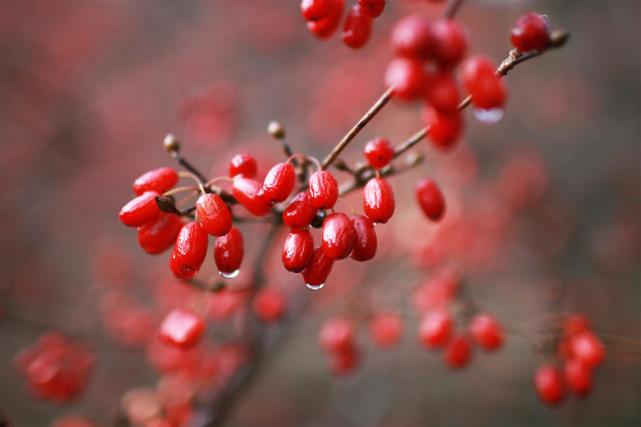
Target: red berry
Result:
[316, 273]
[379, 152]
[549, 385]
[482, 82]
[357, 28]
[450, 44]
[158, 180]
[408, 78]
[323, 190]
[385, 329]
[182, 329]
[249, 193]
[160, 235]
[325, 27]
[299, 213]
[141, 210]
[444, 129]
[487, 332]
[412, 38]
[575, 324]
[587, 347]
[345, 362]
[531, 32]
[430, 199]
[378, 200]
[372, 8]
[314, 10]
[365, 241]
[338, 236]
[443, 93]
[435, 329]
[578, 375]
[269, 305]
[213, 214]
[298, 250]
[243, 165]
[189, 251]
[229, 251]
[279, 182]
[337, 335]
[458, 352]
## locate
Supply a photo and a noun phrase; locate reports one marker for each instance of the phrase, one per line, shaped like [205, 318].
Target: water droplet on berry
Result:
[489, 116]
[231, 275]
[315, 287]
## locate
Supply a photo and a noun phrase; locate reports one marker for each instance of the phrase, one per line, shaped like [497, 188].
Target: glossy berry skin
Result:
[279, 182]
[141, 210]
[229, 251]
[158, 180]
[249, 194]
[578, 376]
[530, 32]
[486, 332]
[314, 10]
[317, 271]
[243, 165]
[443, 93]
[379, 152]
[385, 329]
[337, 335]
[213, 214]
[444, 129]
[269, 305]
[323, 190]
[160, 235]
[298, 250]
[450, 43]
[299, 213]
[412, 38]
[365, 241]
[357, 28]
[549, 385]
[458, 352]
[378, 200]
[337, 236]
[372, 8]
[189, 252]
[325, 27]
[587, 347]
[430, 199]
[408, 78]
[435, 329]
[482, 82]
[181, 328]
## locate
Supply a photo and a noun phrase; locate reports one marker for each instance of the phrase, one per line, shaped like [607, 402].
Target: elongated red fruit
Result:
[372, 8]
[229, 251]
[298, 250]
[378, 200]
[314, 10]
[444, 129]
[458, 352]
[213, 214]
[279, 182]
[481, 81]
[357, 28]
[243, 165]
[316, 273]
[299, 213]
[323, 190]
[140, 210]
[549, 385]
[182, 329]
[159, 180]
[487, 332]
[338, 236]
[430, 199]
[160, 235]
[435, 329]
[365, 241]
[249, 193]
[325, 27]
[189, 251]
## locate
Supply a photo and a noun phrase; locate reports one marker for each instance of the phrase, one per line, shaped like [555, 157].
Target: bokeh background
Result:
[547, 198]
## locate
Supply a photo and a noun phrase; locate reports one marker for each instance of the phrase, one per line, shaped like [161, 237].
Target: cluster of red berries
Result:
[324, 17]
[56, 368]
[580, 351]
[436, 299]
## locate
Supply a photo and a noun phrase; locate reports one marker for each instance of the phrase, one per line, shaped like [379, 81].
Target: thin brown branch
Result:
[451, 8]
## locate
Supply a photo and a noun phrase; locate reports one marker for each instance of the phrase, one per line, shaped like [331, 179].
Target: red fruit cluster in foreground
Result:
[324, 17]
[56, 367]
[580, 351]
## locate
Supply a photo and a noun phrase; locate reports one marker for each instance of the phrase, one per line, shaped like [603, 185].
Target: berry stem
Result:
[451, 8]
